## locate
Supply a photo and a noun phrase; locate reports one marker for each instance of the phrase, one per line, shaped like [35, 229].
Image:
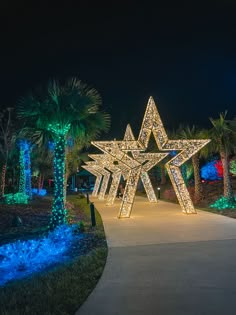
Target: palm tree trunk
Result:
[58, 209]
[163, 175]
[198, 191]
[27, 166]
[22, 172]
[42, 181]
[39, 181]
[3, 179]
[65, 176]
[228, 190]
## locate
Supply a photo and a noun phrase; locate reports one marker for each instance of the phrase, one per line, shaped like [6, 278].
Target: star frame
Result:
[152, 123]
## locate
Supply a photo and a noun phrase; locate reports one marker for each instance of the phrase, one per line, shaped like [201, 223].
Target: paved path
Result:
[163, 262]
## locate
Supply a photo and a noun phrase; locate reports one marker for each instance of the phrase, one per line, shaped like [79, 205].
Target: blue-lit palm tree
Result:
[62, 110]
[25, 167]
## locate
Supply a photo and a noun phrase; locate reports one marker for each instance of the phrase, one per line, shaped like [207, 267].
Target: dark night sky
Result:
[182, 54]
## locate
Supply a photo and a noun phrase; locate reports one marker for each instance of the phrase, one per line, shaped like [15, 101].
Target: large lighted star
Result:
[118, 150]
[152, 124]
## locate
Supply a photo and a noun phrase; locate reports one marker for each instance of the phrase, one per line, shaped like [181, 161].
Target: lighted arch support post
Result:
[98, 179]
[116, 177]
[106, 177]
[147, 183]
[132, 182]
[152, 158]
[107, 161]
[116, 150]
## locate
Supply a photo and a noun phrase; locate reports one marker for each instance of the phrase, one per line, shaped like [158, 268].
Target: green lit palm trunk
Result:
[58, 209]
[198, 191]
[228, 190]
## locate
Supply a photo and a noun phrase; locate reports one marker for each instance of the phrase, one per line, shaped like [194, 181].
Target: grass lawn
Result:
[62, 288]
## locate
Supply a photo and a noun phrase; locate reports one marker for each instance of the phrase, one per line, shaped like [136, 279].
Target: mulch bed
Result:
[35, 218]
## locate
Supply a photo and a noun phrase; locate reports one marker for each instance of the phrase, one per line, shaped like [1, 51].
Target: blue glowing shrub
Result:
[22, 258]
[18, 198]
[39, 192]
[209, 171]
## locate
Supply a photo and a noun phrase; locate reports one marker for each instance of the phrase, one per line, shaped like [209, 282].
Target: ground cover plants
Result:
[63, 286]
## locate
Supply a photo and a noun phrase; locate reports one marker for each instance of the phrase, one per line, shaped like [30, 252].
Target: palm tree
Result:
[6, 143]
[223, 135]
[187, 132]
[69, 109]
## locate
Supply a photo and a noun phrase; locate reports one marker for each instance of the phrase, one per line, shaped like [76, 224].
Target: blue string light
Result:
[22, 258]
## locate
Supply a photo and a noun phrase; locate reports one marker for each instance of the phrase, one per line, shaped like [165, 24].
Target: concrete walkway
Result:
[163, 262]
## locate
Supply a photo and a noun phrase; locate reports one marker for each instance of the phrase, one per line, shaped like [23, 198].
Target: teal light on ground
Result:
[18, 198]
[224, 203]
[233, 167]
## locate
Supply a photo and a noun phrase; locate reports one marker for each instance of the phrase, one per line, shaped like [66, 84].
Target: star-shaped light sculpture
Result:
[117, 169]
[152, 123]
[98, 178]
[107, 161]
[106, 176]
[152, 159]
[136, 168]
[117, 149]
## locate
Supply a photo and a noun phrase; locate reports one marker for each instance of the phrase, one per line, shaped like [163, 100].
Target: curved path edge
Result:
[161, 261]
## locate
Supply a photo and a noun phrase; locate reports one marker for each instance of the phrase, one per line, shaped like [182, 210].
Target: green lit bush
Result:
[17, 198]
